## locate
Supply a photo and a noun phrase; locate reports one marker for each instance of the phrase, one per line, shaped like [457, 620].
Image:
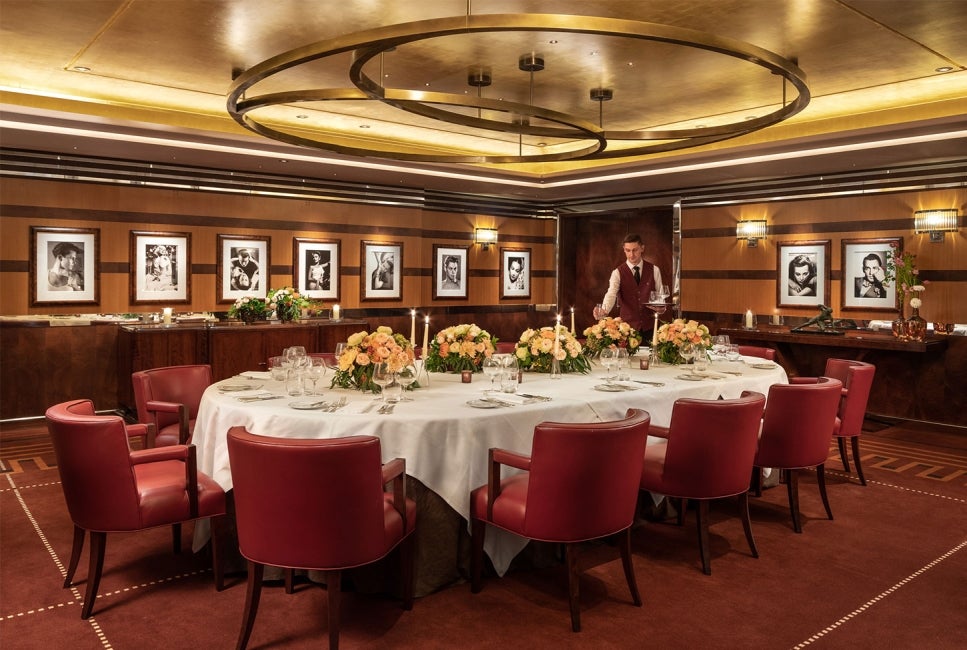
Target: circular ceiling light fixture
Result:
[580, 138]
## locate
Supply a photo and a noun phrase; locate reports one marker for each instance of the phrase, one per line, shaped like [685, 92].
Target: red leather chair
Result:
[708, 453]
[317, 504]
[580, 483]
[328, 357]
[796, 430]
[756, 351]
[169, 398]
[857, 379]
[109, 488]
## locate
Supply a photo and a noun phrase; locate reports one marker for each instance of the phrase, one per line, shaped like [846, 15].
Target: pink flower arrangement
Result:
[364, 350]
[672, 336]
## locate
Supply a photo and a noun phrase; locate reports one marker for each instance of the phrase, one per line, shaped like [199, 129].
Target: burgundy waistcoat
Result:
[632, 297]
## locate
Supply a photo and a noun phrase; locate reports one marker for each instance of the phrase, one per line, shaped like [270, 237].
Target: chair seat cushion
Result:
[169, 435]
[510, 508]
[162, 496]
[393, 522]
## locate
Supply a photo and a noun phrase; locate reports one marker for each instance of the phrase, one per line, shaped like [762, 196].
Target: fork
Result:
[386, 409]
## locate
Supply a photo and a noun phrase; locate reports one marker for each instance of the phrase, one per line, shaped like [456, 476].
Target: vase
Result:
[285, 313]
[249, 317]
[915, 327]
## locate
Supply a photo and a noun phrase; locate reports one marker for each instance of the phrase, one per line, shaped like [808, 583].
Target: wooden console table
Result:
[914, 380]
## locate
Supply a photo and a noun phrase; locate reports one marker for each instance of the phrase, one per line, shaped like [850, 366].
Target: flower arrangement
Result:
[460, 347]
[672, 336]
[611, 331]
[904, 271]
[249, 309]
[287, 303]
[537, 348]
[364, 350]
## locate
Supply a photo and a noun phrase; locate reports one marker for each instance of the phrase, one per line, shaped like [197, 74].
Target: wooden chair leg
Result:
[841, 442]
[334, 589]
[98, 542]
[76, 549]
[755, 484]
[219, 534]
[478, 529]
[288, 580]
[176, 538]
[682, 507]
[407, 556]
[747, 523]
[702, 517]
[821, 480]
[792, 487]
[624, 545]
[252, 595]
[855, 443]
[573, 586]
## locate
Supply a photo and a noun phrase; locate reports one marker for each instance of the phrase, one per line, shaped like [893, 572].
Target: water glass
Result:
[277, 368]
[508, 381]
[393, 392]
[733, 353]
[294, 381]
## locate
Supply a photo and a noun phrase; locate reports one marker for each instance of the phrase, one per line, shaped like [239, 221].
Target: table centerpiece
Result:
[902, 269]
[363, 351]
[536, 350]
[249, 309]
[287, 303]
[609, 332]
[460, 347]
[672, 336]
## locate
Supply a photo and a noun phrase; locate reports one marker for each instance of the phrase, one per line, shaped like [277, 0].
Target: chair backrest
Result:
[857, 379]
[756, 351]
[506, 347]
[313, 504]
[95, 466]
[584, 478]
[711, 446]
[177, 384]
[328, 357]
[798, 423]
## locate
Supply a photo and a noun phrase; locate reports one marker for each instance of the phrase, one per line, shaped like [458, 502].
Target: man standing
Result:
[630, 286]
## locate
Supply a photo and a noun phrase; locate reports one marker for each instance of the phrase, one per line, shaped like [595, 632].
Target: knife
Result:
[258, 399]
[649, 383]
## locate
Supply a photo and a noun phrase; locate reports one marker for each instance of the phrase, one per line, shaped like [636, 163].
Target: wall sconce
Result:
[935, 222]
[485, 237]
[751, 231]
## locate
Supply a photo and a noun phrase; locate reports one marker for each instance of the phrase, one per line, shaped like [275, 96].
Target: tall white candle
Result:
[167, 315]
[654, 334]
[573, 331]
[335, 312]
[426, 335]
[413, 327]
[748, 319]
[557, 335]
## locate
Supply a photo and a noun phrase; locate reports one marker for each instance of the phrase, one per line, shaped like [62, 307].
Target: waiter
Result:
[630, 286]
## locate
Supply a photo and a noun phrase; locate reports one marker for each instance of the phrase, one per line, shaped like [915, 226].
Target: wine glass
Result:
[733, 353]
[701, 359]
[295, 355]
[621, 363]
[492, 367]
[340, 348]
[315, 371]
[382, 377]
[406, 378]
[609, 357]
[687, 351]
[720, 345]
[663, 293]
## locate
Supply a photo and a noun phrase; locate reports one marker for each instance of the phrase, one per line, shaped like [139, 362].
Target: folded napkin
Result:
[254, 374]
[250, 393]
[710, 374]
[510, 398]
[877, 325]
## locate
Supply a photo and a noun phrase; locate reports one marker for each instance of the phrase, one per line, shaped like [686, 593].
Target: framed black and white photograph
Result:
[243, 267]
[449, 271]
[382, 270]
[865, 283]
[803, 273]
[64, 266]
[315, 268]
[515, 273]
[160, 267]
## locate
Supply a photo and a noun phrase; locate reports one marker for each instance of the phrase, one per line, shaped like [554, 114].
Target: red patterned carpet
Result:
[889, 572]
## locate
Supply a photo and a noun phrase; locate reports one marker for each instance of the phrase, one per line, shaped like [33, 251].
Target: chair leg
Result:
[821, 480]
[573, 585]
[407, 556]
[176, 538]
[792, 487]
[755, 485]
[218, 550]
[682, 507]
[288, 579]
[855, 443]
[98, 542]
[478, 529]
[747, 523]
[252, 595]
[841, 442]
[702, 517]
[76, 549]
[624, 545]
[334, 589]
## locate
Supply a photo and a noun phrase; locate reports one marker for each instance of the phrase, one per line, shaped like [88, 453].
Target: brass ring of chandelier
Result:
[368, 44]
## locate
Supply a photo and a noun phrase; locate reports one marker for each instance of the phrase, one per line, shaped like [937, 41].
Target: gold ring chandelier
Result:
[585, 139]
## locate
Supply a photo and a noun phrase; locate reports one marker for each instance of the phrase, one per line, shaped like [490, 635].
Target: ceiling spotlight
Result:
[530, 62]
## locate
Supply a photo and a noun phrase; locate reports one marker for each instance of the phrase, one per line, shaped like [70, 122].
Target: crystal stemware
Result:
[315, 371]
[382, 377]
[492, 366]
[406, 378]
[609, 357]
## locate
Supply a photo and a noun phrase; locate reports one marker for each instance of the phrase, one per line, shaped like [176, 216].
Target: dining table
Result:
[446, 427]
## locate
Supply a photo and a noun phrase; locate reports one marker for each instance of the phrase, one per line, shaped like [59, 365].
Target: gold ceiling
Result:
[168, 64]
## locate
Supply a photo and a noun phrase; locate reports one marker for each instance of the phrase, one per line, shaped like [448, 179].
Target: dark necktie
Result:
[637, 276]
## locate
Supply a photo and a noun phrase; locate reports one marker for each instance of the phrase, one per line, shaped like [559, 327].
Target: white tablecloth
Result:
[444, 440]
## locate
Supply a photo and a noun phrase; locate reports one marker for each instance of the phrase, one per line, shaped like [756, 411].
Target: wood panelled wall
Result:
[117, 210]
[721, 275]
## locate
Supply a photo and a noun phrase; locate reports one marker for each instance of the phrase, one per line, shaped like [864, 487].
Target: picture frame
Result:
[315, 268]
[65, 266]
[869, 291]
[238, 256]
[160, 269]
[450, 278]
[515, 273]
[381, 264]
[803, 271]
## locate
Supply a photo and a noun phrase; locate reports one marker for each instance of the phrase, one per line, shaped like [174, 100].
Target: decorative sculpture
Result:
[826, 323]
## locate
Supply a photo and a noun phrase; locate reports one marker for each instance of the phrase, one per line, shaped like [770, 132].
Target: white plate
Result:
[308, 406]
[610, 388]
[231, 388]
[764, 366]
[690, 377]
[483, 404]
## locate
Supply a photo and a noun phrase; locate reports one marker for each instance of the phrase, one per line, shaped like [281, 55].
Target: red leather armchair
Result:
[169, 398]
[857, 379]
[317, 504]
[109, 488]
[708, 453]
[756, 351]
[580, 483]
[796, 430]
